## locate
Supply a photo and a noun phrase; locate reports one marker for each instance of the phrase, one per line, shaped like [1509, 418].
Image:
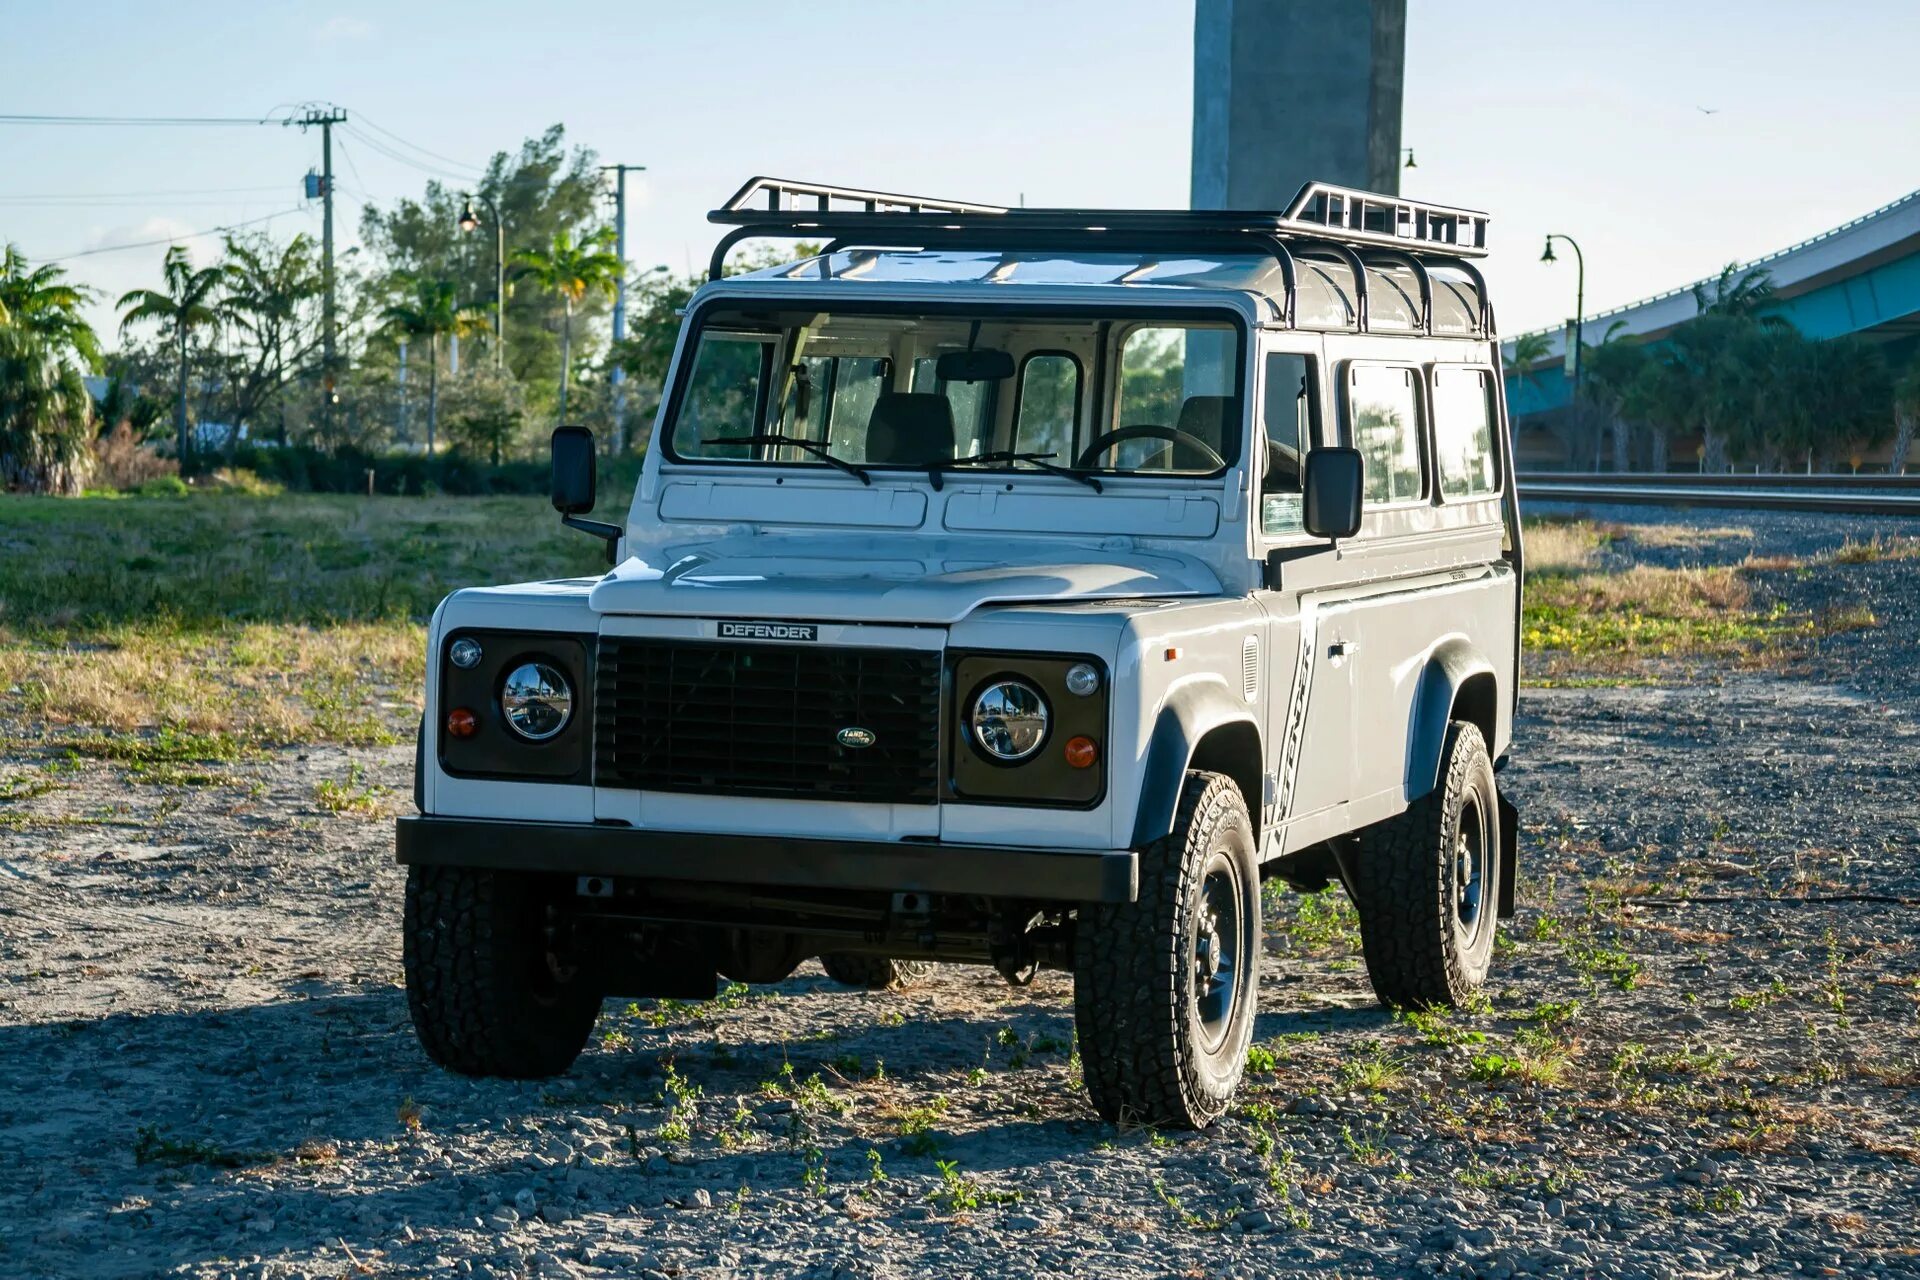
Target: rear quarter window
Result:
[1383, 421]
[1463, 433]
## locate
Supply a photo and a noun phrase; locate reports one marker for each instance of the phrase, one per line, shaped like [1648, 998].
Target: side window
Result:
[1463, 433]
[1383, 407]
[1049, 406]
[722, 395]
[1288, 405]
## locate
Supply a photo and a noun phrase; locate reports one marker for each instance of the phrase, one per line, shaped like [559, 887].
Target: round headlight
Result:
[465, 653]
[1083, 679]
[1009, 720]
[537, 701]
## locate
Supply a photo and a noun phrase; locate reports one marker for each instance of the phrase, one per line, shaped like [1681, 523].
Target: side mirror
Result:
[574, 471]
[1333, 484]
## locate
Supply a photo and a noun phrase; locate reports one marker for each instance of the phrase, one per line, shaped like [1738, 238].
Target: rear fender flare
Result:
[1457, 683]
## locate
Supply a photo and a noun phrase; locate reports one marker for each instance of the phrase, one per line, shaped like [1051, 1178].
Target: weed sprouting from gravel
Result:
[152, 1146]
[962, 1193]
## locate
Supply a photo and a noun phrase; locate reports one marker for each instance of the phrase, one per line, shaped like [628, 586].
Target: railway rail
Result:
[1895, 495]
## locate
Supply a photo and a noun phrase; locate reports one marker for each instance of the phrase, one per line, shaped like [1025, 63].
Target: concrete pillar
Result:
[1289, 91]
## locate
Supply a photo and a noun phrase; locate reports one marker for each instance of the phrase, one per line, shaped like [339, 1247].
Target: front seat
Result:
[1209, 418]
[909, 429]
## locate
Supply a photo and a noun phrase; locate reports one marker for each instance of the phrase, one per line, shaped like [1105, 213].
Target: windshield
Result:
[877, 389]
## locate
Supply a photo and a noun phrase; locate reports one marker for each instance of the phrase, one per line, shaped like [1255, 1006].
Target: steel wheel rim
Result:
[1218, 956]
[1470, 868]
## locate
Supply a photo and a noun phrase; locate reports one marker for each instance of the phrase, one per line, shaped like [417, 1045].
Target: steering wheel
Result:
[1147, 431]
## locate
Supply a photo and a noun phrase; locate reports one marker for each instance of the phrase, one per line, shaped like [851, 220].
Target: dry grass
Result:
[290, 618]
[1565, 546]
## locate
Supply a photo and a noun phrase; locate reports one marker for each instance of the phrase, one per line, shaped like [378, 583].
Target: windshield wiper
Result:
[818, 450]
[1008, 455]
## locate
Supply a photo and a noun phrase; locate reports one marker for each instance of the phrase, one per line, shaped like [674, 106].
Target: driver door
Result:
[1311, 752]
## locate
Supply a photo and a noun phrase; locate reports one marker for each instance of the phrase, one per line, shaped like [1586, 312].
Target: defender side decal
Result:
[1297, 711]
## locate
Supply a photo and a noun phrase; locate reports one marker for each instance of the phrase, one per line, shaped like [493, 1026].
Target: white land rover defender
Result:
[1004, 586]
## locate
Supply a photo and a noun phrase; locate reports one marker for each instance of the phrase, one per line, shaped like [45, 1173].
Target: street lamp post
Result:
[1579, 301]
[469, 220]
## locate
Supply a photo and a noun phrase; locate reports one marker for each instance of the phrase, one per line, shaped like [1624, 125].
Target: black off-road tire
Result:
[481, 987]
[1162, 1041]
[1410, 874]
[874, 973]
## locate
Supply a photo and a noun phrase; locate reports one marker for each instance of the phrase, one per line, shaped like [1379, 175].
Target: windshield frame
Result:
[1105, 387]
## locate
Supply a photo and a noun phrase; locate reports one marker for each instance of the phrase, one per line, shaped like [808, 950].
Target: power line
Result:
[374, 144]
[414, 146]
[114, 195]
[142, 121]
[170, 240]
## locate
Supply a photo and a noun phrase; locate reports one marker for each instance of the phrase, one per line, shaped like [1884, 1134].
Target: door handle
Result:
[1340, 650]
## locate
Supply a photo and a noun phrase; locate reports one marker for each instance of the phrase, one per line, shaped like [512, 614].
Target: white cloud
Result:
[342, 27]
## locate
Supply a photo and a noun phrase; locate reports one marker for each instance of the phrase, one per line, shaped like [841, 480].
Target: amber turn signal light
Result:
[1082, 752]
[462, 723]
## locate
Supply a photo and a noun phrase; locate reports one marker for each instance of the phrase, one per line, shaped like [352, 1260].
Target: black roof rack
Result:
[1322, 216]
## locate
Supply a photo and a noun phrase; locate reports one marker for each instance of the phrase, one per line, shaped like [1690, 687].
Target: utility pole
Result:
[620, 172]
[325, 118]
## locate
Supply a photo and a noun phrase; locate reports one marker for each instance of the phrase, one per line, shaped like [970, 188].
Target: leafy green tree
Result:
[430, 312]
[486, 412]
[539, 190]
[189, 301]
[573, 270]
[45, 413]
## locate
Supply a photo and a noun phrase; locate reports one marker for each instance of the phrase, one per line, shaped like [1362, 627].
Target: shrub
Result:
[164, 486]
[122, 460]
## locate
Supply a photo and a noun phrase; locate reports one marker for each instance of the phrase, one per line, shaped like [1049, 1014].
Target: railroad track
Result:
[1855, 495]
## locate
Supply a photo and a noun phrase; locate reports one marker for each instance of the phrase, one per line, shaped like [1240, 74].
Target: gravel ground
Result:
[1699, 1057]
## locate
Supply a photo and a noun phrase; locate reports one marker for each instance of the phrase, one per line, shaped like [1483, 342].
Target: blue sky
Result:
[1583, 119]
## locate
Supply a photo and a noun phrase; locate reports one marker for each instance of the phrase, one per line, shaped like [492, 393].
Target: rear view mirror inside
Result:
[974, 366]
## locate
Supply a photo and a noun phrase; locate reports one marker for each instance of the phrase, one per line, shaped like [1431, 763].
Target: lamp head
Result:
[1548, 255]
[1410, 164]
[468, 218]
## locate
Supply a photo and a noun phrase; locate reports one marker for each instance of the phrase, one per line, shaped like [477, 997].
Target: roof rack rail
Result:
[1366, 217]
[1321, 216]
[778, 195]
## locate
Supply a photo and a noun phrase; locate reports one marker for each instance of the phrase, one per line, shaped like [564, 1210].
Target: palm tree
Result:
[1610, 369]
[44, 407]
[1906, 413]
[1734, 292]
[1529, 349]
[431, 312]
[268, 294]
[187, 303]
[573, 271]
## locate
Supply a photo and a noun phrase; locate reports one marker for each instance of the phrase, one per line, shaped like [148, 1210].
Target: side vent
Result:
[1250, 668]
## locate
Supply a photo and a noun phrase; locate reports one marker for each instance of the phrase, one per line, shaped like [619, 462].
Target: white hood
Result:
[901, 579]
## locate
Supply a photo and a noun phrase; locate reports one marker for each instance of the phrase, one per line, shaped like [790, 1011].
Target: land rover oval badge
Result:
[855, 738]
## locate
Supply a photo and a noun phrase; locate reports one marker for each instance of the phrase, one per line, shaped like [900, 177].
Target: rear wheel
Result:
[1428, 884]
[488, 994]
[1165, 987]
[875, 973]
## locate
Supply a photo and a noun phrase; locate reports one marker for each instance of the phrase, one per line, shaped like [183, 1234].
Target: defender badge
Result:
[856, 738]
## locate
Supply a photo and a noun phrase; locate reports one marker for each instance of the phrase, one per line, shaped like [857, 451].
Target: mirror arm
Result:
[610, 533]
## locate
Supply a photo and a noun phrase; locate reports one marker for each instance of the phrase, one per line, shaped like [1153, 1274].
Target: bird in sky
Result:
[1707, 111]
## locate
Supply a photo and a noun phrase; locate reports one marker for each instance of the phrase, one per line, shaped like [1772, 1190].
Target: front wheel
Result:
[488, 994]
[1165, 987]
[1428, 884]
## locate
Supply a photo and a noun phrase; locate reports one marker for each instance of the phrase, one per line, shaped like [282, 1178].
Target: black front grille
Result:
[764, 719]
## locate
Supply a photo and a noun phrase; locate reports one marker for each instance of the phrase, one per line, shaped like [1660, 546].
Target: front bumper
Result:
[923, 866]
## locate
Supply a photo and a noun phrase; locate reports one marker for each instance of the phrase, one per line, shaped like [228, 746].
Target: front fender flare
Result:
[1189, 714]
